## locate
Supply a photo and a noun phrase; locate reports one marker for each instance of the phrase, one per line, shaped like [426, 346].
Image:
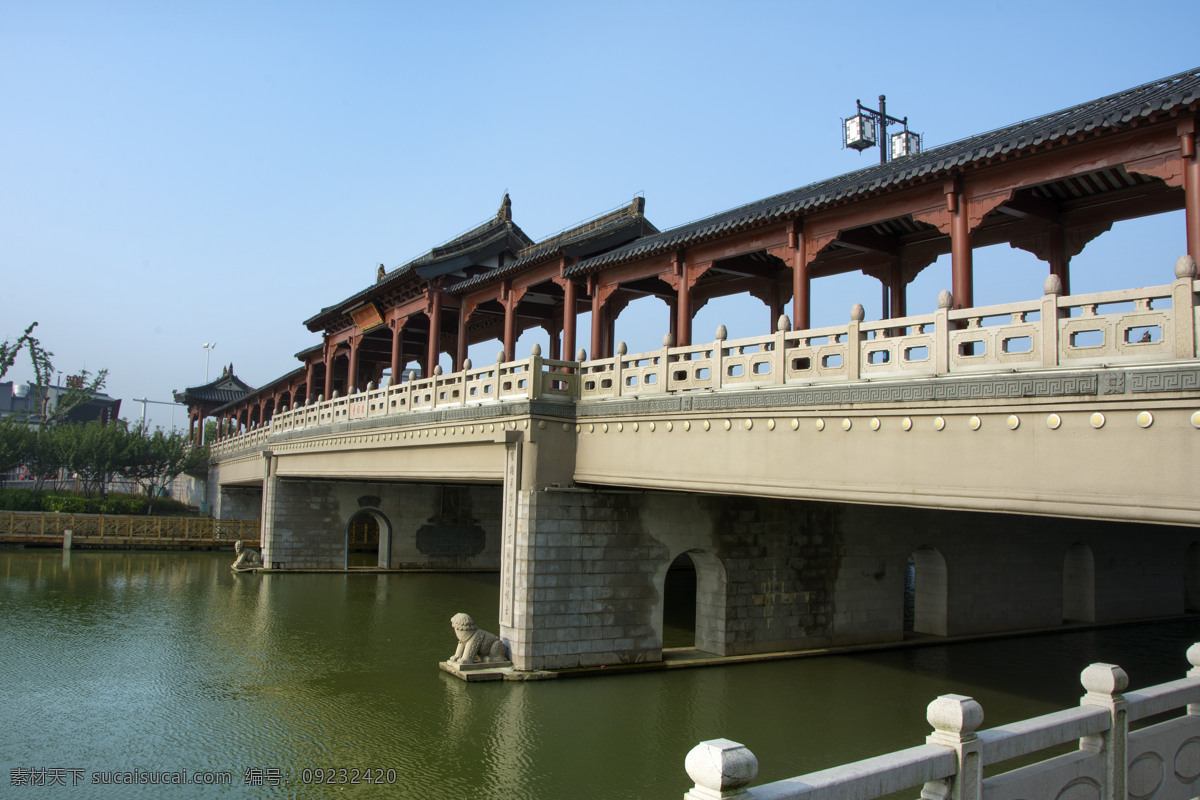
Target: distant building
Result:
[22, 400]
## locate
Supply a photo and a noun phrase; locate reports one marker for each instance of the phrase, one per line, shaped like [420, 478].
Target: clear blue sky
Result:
[182, 173]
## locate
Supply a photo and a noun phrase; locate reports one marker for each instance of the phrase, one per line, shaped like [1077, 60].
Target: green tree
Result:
[155, 459]
[80, 388]
[44, 455]
[95, 451]
[9, 350]
[14, 444]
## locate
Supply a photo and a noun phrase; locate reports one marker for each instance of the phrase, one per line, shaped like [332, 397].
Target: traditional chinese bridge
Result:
[1034, 462]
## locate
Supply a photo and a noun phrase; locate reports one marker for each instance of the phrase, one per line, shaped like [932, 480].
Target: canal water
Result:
[149, 662]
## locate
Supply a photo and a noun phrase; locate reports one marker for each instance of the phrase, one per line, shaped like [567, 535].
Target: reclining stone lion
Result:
[475, 645]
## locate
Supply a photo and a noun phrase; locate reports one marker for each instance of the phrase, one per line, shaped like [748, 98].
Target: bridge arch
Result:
[1079, 584]
[926, 585]
[692, 588]
[365, 526]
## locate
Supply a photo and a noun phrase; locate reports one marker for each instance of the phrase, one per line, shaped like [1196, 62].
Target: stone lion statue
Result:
[475, 645]
[247, 559]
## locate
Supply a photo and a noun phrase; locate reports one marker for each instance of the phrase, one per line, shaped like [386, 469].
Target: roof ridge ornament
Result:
[505, 212]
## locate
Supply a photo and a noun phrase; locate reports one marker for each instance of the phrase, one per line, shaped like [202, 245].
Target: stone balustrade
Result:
[1147, 325]
[1112, 762]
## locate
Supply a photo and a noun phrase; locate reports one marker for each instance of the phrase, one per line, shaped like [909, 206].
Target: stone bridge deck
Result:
[1080, 406]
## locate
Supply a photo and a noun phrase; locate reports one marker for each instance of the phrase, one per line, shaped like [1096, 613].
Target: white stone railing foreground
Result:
[1160, 760]
[1154, 324]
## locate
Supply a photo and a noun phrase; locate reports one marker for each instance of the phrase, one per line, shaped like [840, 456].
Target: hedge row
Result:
[67, 503]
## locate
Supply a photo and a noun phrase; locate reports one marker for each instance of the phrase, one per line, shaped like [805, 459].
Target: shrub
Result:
[64, 503]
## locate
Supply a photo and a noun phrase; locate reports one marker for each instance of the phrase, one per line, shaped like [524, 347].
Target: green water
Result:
[119, 662]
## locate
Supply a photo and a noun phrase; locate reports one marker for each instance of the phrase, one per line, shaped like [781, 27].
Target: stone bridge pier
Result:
[584, 573]
[307, 524]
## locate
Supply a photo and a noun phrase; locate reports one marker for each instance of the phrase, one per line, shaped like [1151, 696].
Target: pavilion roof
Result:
[487, 240]
[1115, 111]
[609, 230]
[227, 388]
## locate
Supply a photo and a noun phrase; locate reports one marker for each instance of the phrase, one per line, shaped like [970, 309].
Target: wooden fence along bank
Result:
[103, 530]
[1112, 762]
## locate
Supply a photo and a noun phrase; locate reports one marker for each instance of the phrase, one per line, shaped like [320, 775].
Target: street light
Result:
[858, 132]
[208, 348]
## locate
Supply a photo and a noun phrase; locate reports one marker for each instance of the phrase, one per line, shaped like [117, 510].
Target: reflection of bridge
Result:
[1031, 462]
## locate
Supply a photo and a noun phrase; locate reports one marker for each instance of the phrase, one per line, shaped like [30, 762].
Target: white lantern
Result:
[860, 132]
[905, 143]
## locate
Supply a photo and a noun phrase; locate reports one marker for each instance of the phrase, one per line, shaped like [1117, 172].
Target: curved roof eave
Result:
[1112, 111]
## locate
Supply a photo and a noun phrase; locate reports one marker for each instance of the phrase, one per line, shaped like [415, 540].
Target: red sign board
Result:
[367, 316]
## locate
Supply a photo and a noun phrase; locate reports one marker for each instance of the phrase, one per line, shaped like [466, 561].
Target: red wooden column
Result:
[510, 321]
[352, 374]
[683, 301]
[460, 338]
[435, 333]
[801, 282]
[1191, 185]
[899, 298]
[597, 313]
[568, 330]
[328, 372]
[1060, 261]
[308, 384]
[397, 334]
[961, 268]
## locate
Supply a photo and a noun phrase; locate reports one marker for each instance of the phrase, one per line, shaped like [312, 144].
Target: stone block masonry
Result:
[422, 526]
[589, 568]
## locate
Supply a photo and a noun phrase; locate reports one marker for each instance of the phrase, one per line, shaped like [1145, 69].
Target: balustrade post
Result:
[1105, 684]
[718, 357]
[535, 371]
[1193, 657]
[664, 363]
[941, 333]
[721, 769]
[955, 718]
[619, 369]
[1051, 314]
[854, 340]
[1183, 304]
[779, 357]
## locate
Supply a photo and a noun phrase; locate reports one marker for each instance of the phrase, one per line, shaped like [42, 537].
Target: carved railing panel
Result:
[1147, 325]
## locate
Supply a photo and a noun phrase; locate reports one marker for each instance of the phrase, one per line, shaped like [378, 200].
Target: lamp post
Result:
[859, 132]
[208, 348]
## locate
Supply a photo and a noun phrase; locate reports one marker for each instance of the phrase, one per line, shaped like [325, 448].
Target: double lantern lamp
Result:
[859, 132]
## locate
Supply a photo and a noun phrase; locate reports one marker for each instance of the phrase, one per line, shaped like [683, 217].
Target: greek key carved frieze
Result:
[1165, 380]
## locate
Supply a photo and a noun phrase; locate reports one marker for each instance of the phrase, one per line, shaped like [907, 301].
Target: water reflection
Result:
[170, 661]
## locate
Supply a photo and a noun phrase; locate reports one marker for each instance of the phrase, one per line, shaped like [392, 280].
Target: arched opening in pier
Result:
[1079, 584]
[368, 540]
[679, 603]
[925, 588]
[693, 608]
[1191, 578]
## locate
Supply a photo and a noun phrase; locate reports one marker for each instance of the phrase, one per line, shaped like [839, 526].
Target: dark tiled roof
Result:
[263, 390]
[606, 231]
[497, 235]
[227, 388]
[1114, 111]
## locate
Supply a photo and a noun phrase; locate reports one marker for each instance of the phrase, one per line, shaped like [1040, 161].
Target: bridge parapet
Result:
[1053, 331]
[1111, 762]
[1145, 325]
